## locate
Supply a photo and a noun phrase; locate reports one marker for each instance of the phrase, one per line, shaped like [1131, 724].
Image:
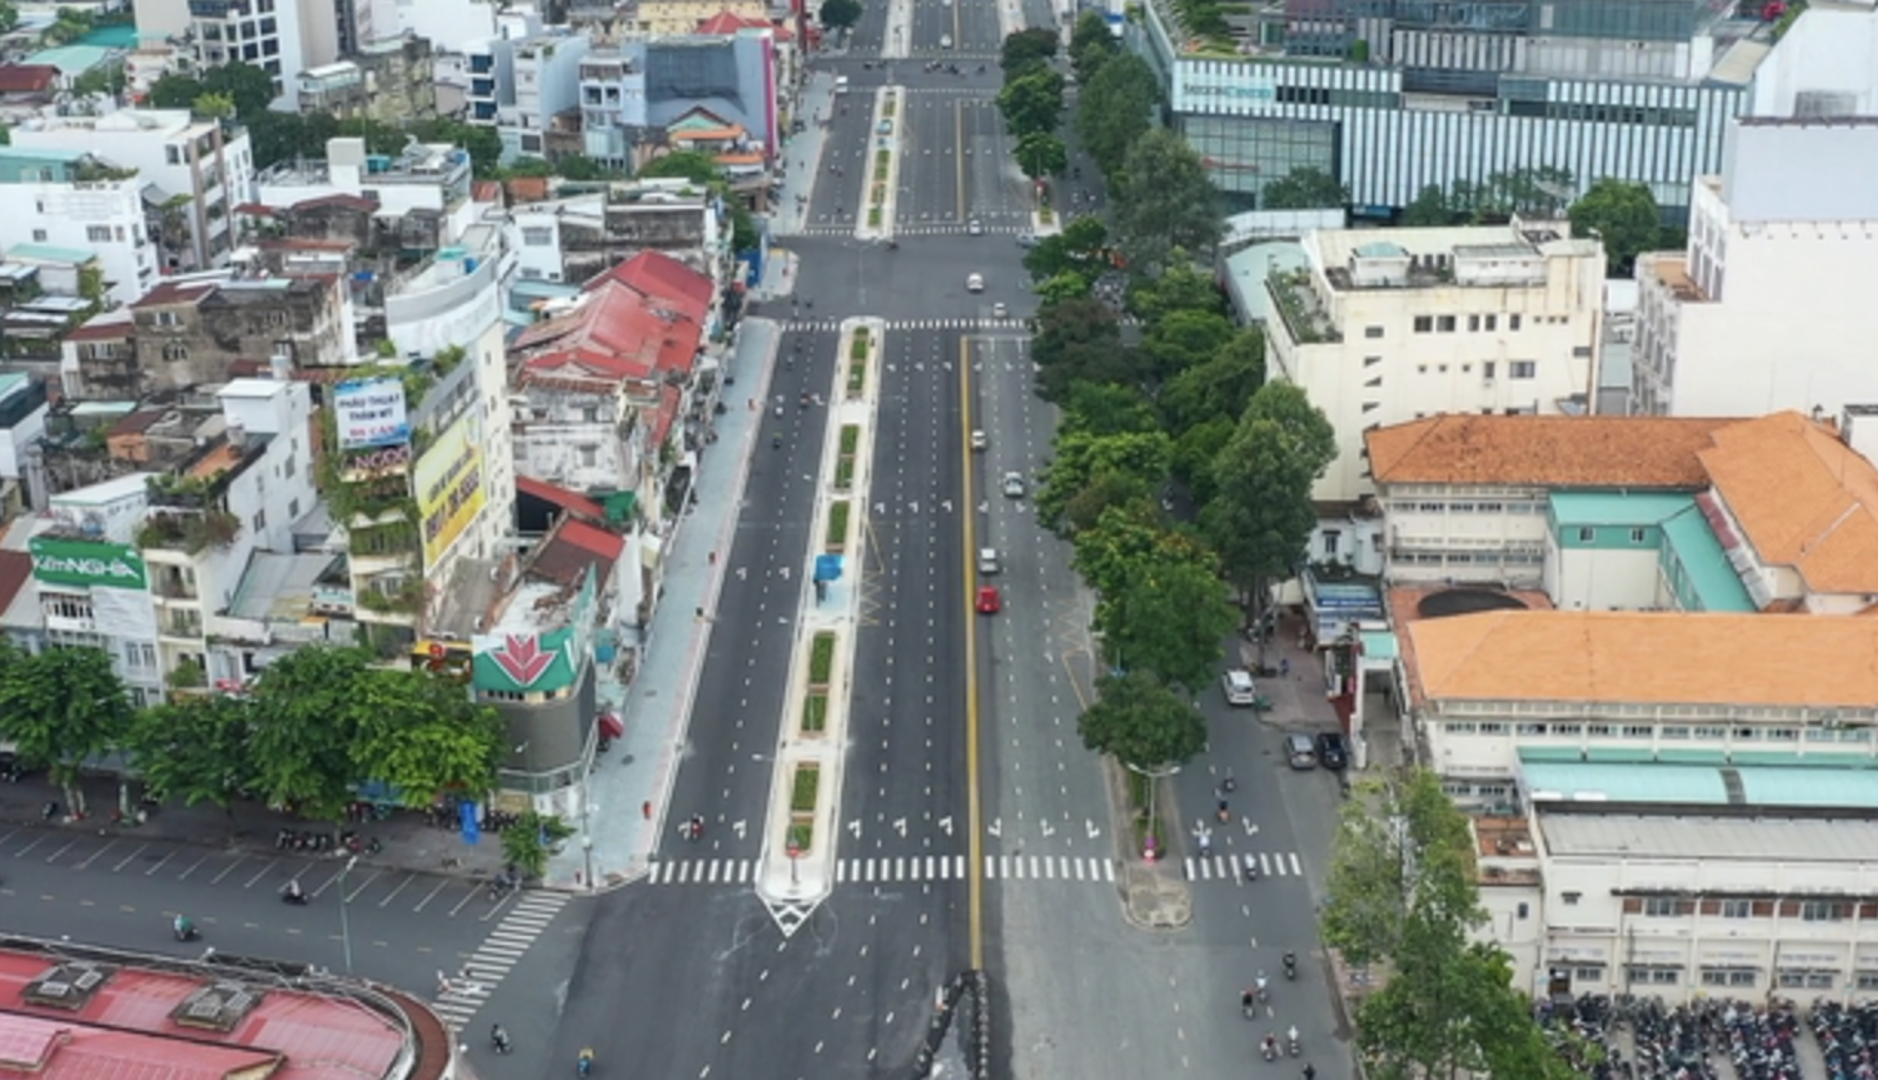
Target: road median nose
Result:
[800, 832]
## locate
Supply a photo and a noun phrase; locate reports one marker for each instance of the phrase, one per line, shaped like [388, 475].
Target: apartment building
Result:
[281, 37]
[633, 96]
[68, 199]
[194, 172]
[1383, 326]
[520, 85]
[391, 81]
[193, 332]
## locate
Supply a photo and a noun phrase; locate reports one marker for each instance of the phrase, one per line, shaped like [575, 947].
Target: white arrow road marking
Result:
[996, 828]
[855, 828]
[1090, 826]
[946, 824]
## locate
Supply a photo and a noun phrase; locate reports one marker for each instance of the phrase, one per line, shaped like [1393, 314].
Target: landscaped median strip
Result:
[884, 178]
[799, 830]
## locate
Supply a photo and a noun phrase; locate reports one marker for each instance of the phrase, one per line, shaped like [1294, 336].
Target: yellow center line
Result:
[974, 844]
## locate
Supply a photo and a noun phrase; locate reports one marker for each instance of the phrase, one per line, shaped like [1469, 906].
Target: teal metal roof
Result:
[1588, 508]
[111, 37]
[1828, 781]
[1714, 580]
[1378, 645]
[71, 59]
[50, 253]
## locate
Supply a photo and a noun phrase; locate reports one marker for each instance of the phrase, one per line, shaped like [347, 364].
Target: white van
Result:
[1239, 688]
[987, 561]
[841, 84]
[945, 41]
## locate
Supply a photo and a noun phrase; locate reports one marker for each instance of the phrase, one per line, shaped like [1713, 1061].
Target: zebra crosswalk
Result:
[1270, 864]
[921, 868]
[462, 994]
[830, 326]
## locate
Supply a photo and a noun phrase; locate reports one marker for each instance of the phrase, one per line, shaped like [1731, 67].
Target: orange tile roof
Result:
[1546, 451]
[1803, 498]
[1654, 658]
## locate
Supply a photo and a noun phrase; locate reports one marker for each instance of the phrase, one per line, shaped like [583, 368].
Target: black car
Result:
[1333, 752]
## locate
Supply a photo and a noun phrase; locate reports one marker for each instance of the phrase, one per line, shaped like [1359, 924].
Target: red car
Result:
[988, 600]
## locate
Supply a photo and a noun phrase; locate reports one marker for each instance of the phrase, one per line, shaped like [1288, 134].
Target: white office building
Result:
[1769, 307]
[193, 173]
[1379, 327]
[64, 199]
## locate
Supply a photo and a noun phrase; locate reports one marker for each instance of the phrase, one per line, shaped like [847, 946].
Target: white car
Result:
[1239, 688]
[974, 283]
[978, 440]
[1013, 485]
[999, 310]
[975, 227]
[1026, 239]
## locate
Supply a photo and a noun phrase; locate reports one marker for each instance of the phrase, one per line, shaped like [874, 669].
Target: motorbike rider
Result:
[293, 894]
[184, 928]
[499, 1038]
[1292, 1037]
[1269, 1046]
[1245, 1000]
[1291, 965]
[584, 1063]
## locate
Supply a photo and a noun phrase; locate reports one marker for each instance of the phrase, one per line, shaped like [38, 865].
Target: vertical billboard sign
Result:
[371, 412]
[449, 483]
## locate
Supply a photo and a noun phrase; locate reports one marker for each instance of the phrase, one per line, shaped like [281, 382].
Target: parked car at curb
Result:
[1013, 485]
[1333, 751]
[989, 602]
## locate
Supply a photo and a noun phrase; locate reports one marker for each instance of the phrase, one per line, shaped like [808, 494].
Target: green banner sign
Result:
[87, 563]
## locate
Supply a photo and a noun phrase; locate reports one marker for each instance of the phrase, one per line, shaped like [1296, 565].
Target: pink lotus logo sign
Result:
[522, 658]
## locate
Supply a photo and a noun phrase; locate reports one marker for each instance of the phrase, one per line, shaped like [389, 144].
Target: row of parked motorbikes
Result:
[319, 840]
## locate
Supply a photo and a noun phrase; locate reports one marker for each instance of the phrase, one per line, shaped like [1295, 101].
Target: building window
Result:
[1662, 907]
[1521, 369]
[175, 350]
[1592, 975]
[1653, 976]
[1512, 322]
[1424, 324]
[1372, 331]
[1823, 911]
[1637, 536]
[1486, 370]
[1473, 324]
[1866, 980]
[1445, 324]
[1571, 898]
[98, 234]
[1333, 539]
[39, 236]
[1586, 536]
[1729, 976]
[1492, 322]
[589, 456]
[1582, 352]
[537, 236]
[590, 414]
[1737, 909]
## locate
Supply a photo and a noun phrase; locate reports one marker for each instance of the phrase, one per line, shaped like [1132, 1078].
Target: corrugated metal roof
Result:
[1838, 781]
[1776, 840]
[1575, 508]
[1705, 561]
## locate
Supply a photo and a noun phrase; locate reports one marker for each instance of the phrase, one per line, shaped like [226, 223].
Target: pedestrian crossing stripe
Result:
[465, 991]
[1215, 867]
[831, 326]
[905, 230]
[920, 868]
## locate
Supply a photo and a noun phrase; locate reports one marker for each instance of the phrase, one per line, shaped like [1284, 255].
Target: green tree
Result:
[1430, 209]
[421, 735]
[529, 166]
[1076, 250]
[1305, 189]
[1124, 543]
[580, 167]
[1624, 216]
[1172, 618]
[195, 749]
[1195, 450]
[214, 106]
[480, 141]
[1066, 286]
[1107, 490]
[106, 79]
[1219, 388]
[278, 136]
[1115, 109]
[1261, 516]
[1141, 722]
[173, 91]
[247, 86]
[1180, 286]
[1183, 340]
[1080, 457]
[1078, 340]
[9, 17]
[1026, 49]
[1032, 102]
[840, 14]
[1163, 200]
[1108, 409]
[1039, 155]
[1091, 44]
[306, 711]
[61, 707]
[68, 26]
[531, 840]
[693, 165]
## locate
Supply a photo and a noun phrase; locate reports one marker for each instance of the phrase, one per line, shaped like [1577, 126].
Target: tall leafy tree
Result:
[1624, 216]
[1305, 189]
[195, 749]
[1171, 618]
[423, 735]
[693, 165]
[1040, 154]
[1261, 515]
[306, 709]
[1081, 457]
[1091, 44]
[62, 707]
[1076, 250]
[1026, 49]
[1431, 208]
[1108, 409]
[1180, 286]
[1139, 721]
[1115, 109]
[1219, 388]
[1078, 341]
[1125, 543]
[1183, 340]
[1032, 102]
[840, 14]
[1163, 200]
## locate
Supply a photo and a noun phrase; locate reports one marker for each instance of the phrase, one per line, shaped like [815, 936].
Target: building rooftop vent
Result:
[218, 1006]
[69, 985]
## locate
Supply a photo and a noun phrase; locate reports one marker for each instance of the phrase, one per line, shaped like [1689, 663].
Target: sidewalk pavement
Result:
[410, 842]
[629, 785]
[802, 154]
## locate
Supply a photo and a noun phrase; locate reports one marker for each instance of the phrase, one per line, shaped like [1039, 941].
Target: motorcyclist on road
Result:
[499, 1038]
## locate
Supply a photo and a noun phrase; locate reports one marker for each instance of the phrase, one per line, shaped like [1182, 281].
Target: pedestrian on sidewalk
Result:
[1284, 666]
[645, 808]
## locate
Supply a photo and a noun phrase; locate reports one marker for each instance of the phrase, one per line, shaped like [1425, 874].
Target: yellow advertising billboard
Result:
[449, 482]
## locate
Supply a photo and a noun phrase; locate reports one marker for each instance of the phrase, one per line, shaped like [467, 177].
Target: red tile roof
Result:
[656, 274]
[571, 501]
[486, 191]
[172, 293]
[27, 78]
[728, 22]
[16, 568]
[126, 1031]
[616, 333]
[669, 398]
[111, 326]
[346, 201]
[572, 548]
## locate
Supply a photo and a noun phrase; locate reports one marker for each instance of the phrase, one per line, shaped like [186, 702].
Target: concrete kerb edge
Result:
[1133, 866]
[890, 201]
[668, 771]
[781, 879]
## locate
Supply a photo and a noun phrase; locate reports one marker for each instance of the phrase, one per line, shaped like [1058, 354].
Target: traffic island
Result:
[799, 831]
[875, 221]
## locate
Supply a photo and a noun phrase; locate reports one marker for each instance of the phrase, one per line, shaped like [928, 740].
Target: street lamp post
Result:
[345, 928]
[1154, 778]
[586, 850]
